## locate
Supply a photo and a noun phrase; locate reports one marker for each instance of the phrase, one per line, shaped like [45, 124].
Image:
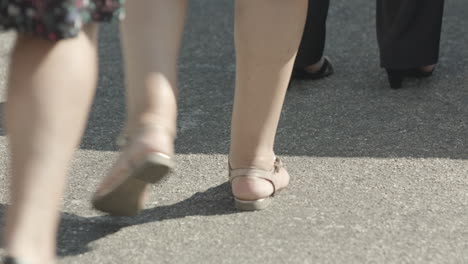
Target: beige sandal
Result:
[124, 198]
[270, 176]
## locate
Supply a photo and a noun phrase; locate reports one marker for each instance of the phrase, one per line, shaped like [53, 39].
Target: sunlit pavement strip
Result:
[344, 209]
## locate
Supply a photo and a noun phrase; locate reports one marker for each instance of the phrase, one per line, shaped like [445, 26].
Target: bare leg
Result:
[151, 36]
[50, 89]
[268, 33]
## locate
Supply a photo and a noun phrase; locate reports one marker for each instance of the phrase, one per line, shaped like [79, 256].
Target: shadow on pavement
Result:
[76, 233]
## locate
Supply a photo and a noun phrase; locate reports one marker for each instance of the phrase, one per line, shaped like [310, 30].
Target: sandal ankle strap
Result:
[270, 176]
[124, 138]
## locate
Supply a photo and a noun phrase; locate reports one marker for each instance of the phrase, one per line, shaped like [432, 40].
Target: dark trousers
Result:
[313, 39]
[408, 33]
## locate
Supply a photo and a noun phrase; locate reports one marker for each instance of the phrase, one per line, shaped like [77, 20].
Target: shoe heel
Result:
[395, 78]
[252, 205]
[154, 168]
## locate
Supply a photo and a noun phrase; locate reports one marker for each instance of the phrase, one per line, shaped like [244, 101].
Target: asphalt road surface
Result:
[378, 175]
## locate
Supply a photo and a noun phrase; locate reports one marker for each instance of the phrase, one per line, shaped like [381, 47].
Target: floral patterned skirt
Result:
[56, 19]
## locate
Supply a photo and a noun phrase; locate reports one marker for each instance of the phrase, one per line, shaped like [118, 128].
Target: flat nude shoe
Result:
[125, 197]
[271, 176]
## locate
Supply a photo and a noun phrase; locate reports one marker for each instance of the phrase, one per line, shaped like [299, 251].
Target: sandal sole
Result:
[126, 198]
[256, 205]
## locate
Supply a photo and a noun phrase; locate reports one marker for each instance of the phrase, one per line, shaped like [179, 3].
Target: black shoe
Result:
[396, 77]
[325, 71]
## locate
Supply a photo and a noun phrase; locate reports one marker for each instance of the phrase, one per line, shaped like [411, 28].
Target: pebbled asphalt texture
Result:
[378, 175]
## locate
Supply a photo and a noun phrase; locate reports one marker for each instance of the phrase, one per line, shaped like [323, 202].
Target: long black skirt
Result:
[408, 32]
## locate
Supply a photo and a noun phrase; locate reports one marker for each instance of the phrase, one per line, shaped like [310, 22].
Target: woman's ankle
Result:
[252, 188]
[313, 68]
[260, 161]
[157, 135]
[156, 140]
[428, 68]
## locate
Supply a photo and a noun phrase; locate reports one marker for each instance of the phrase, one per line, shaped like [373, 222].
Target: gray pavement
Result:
[378, 175]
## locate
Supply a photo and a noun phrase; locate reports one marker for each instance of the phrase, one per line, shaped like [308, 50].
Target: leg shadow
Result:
[76, 233]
